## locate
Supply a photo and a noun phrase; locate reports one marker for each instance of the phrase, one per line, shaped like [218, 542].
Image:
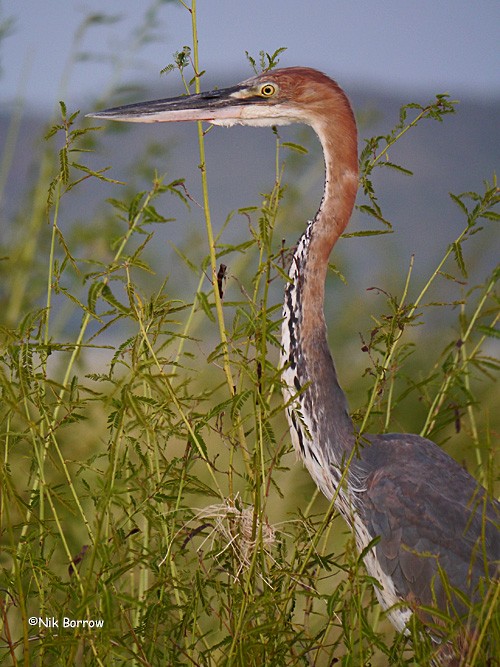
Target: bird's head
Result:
[278, 97]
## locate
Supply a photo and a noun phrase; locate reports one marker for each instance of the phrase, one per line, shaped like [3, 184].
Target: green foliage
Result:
[146, 477]
[267, 61]
[376, 150]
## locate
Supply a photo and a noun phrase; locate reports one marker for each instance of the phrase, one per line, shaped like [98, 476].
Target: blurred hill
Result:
[453, 156]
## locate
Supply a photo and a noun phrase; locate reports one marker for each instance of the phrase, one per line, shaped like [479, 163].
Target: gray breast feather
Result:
[430, 514]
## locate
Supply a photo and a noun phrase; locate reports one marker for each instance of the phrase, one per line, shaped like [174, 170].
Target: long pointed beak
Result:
[217, 105]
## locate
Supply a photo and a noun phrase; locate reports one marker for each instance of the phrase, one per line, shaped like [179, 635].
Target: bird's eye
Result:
[267, 90]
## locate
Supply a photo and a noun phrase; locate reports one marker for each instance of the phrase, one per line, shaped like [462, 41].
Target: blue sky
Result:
[437, 45]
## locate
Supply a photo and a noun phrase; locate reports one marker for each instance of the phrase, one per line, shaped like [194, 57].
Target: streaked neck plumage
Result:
[319, 412]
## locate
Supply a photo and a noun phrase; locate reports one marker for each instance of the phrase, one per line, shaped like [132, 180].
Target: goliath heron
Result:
[437, 531]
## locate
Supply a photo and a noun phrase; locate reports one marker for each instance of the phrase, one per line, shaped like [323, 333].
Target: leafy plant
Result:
[148, 490]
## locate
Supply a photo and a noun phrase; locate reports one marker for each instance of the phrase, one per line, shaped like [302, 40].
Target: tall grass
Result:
[147, 482]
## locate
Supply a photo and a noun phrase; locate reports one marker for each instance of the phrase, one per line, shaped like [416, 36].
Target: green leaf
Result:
[491, 332]
[457, 251]
[375, 213]
[368, 548]
[459, 203]
[200, 444]
[397, 167]
[108, 296]
[367, 232]
[295, 147]
[491, 215]
[238, 402]
[205, 305]
[64, 165]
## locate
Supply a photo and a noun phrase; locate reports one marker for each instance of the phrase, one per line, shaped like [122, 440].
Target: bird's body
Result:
[435, 526]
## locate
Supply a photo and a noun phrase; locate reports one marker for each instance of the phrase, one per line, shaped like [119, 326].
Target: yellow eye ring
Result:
[267, 90]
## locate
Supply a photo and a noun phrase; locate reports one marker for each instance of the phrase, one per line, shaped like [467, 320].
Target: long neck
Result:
[321, 428]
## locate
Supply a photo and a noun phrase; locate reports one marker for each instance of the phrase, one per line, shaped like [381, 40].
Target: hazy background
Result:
[449, 45]
[383, 53]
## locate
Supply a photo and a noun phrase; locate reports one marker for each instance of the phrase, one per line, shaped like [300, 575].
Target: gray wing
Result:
[427, 510]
